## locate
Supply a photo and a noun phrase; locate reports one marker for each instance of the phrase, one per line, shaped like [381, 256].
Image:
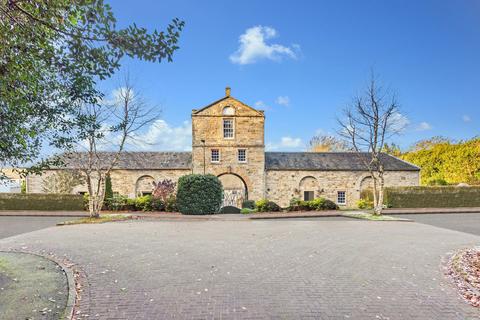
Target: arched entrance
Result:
[144, 186]
[234, 190]
[308, 188]
[366, 188]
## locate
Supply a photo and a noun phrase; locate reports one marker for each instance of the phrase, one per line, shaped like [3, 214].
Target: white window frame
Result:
[211, 155]
[344, 202]
[233, 128]
[238, 155]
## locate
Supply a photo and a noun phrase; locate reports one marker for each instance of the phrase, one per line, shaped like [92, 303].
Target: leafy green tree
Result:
[52, 54]
[392, 149]
[445, 160]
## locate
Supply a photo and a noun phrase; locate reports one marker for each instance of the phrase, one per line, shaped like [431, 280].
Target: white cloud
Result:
[466, 118]
[283, 101]
[162, 136]
[399, 122]
[261, 105]
[159, 136]
[285, 143]
[423, 126]
[253, 47]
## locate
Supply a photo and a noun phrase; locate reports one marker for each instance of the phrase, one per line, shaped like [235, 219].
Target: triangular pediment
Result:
[217, 108]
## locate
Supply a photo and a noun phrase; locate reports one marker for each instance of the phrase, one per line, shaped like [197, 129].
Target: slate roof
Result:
[322, 161]
[330, 161]
[135, 160]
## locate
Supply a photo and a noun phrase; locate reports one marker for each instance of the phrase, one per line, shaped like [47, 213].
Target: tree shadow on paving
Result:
[31, 287]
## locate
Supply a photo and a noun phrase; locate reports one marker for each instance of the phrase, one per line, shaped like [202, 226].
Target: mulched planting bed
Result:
[464, 269]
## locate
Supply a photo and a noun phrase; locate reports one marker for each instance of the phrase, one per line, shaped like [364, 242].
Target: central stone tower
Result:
[228, 141]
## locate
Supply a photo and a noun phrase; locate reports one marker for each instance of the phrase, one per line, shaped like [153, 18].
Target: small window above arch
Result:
[228, 111]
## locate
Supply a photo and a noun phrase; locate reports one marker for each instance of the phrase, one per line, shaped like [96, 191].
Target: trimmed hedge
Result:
[432, 197]
[41, 201]
[315, 204]
[199, 194]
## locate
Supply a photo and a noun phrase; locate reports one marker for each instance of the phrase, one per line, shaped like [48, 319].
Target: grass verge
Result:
[372, 217]
[102, 219]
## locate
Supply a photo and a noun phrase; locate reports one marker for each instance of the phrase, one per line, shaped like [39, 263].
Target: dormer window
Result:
[228, 128]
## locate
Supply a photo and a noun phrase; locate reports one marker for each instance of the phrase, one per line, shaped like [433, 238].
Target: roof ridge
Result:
[226, 97]
[73, 152]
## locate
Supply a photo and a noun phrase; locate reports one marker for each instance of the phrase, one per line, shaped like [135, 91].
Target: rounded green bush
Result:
[263, 205]
[365, 204]
[199, 194]
[329, 205]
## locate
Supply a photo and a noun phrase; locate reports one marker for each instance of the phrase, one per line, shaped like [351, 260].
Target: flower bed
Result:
[464, 269]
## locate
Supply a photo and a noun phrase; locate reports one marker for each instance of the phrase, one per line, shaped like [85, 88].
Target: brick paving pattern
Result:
[262, 269]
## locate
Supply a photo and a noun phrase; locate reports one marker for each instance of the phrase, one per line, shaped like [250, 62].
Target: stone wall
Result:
[281, 186]
[207, 125]
[123, 181]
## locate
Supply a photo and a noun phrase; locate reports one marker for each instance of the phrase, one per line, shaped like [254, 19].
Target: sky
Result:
[304, 61]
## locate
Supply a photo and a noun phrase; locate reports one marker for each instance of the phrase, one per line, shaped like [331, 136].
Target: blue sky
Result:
[303, 61]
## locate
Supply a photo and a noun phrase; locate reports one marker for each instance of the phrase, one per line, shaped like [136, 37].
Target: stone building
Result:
[228, 140]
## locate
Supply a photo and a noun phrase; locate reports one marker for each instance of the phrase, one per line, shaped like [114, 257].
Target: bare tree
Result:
[367, 124]
[328, 143]
[109, 126]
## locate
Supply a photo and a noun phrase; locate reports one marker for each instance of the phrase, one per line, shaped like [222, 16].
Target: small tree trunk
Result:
[376, 209]
[96, 197]
[93, 206]
[380, 194]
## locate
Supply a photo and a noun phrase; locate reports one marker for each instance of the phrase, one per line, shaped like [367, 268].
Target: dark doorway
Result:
[308, 195]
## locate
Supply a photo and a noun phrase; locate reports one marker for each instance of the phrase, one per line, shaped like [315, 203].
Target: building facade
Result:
[228, 140]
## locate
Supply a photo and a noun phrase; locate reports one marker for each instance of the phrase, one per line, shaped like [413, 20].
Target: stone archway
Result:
[144, 185]
[308, 188]
[366, 188]
[235, 190]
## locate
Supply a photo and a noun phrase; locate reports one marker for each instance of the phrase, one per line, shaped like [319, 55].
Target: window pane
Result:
[341, 197]
[228, 128]
[242, 155]
[215, 155]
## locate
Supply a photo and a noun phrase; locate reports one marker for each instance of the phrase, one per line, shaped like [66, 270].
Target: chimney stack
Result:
[227, 91]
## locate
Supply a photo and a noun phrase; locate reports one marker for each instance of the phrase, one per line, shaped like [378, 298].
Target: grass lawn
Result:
[31, 287]
[102, 219]
[372, 217]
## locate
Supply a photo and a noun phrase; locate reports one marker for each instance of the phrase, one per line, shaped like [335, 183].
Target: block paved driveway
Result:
[274, 269]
